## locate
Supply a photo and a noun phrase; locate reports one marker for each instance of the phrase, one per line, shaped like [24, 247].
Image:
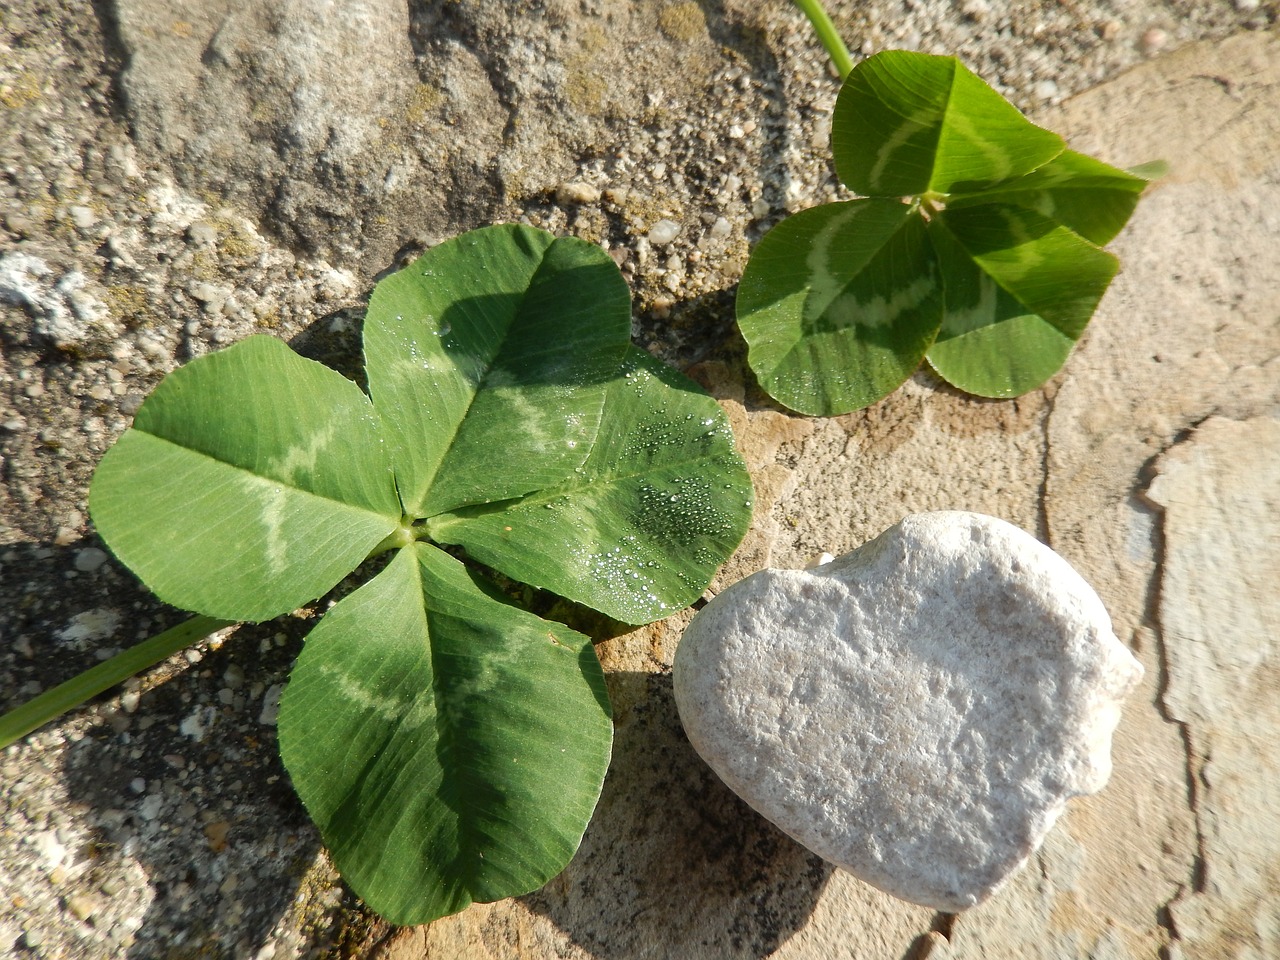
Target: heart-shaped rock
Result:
[917, 711]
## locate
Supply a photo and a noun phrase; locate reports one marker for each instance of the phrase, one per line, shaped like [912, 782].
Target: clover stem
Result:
[828, 35]
[51, 704]
[931, 204]
[401, 536]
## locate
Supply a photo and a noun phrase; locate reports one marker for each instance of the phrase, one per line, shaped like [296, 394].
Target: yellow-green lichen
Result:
[585, 86]
[204, 266]
[22, 90]
[683, 22]
[129, 304]
[591, 224]
[317, 898]
[423, 101]
[263, 111]
[233, 242]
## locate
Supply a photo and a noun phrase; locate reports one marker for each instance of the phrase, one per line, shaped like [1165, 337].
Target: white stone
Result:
[61, 312]
[576, 191]
[82, 217]
[91, 625]
[917, 711]
[271, 705]
[663, 232]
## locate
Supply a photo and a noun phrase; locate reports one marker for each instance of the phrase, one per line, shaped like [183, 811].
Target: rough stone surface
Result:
[119, 126]
[1218, 490]
[917, 711]
[276, 105]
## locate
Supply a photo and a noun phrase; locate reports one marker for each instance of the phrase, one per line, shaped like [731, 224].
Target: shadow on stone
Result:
[187, 832]
[191, 790]
[940, 928]
[674, 864]
[177, 830]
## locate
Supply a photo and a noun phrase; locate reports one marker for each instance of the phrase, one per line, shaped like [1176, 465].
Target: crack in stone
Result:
[1151, 619]
[1044, 531]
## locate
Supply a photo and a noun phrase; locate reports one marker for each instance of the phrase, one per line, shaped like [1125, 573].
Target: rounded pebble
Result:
[663, 232]
[82, 217]
[19, 224]
[81, 907]
[90, 559]
[577, 192]
[1153, 41]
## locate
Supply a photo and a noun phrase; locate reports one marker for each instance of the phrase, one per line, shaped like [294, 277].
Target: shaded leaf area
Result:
[251, 482]
[488, 358]
[449, 746]
[1019, 291]
[1090, 197]
[1005, 275]
[639, 530]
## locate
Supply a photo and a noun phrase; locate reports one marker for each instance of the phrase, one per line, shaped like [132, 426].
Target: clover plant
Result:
[976, 244]
[449, 745]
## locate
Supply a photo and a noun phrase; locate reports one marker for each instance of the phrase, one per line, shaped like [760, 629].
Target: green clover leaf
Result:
[449, 745]
[978, 248]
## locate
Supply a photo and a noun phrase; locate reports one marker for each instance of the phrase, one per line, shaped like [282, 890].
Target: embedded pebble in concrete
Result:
[90, 559]
[663, 232]
[917, 711]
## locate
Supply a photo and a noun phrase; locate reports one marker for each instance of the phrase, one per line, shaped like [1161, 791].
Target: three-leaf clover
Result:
[449, 745]
[977, 246]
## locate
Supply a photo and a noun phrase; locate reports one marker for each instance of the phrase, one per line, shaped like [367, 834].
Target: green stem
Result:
[827, 33]
[51, 704]
[401, 536]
